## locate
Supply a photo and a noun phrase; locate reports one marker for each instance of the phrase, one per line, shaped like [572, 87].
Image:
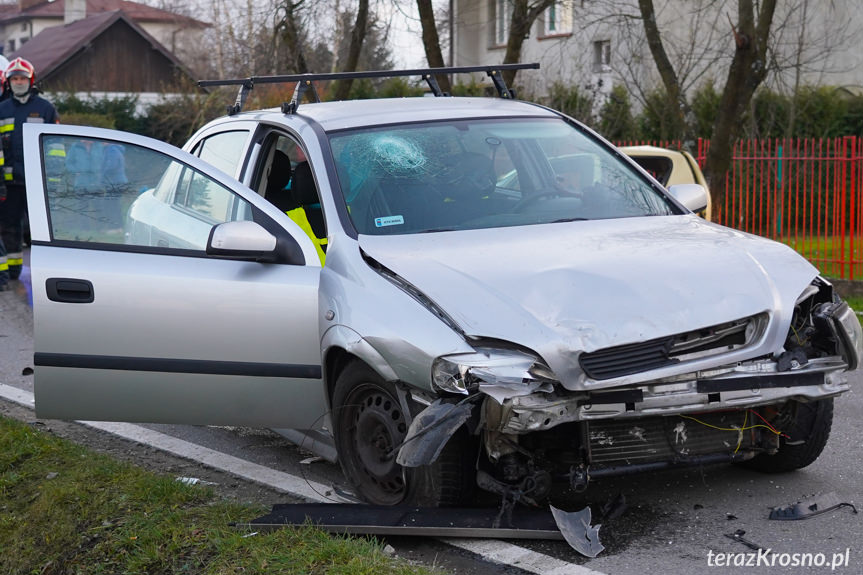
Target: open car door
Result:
[139, 315]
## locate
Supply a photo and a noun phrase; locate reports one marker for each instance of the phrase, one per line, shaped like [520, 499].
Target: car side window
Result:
[100, 191]
[223, 150]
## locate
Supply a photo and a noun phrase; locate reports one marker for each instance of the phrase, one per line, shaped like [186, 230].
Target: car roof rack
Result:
[304, 82]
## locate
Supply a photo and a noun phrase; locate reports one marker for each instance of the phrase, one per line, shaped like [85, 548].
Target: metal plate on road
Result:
[361, 519]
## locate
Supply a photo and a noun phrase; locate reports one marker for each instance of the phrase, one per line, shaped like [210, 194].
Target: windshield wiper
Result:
[569, 220]
[433, 230]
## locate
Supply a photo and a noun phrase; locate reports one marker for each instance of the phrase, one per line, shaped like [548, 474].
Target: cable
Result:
[732, 428]
[776, 431]
[738, 430]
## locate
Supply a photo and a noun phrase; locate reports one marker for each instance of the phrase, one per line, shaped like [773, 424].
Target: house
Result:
[104, 54]
[595, 44]
[21, 22]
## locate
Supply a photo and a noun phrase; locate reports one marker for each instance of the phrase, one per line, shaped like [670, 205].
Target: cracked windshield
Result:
[484, 174]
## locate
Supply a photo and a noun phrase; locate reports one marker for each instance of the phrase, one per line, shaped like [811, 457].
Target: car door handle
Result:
[68, 290]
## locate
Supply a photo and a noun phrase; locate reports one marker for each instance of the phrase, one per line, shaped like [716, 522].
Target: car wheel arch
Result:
[342, 345]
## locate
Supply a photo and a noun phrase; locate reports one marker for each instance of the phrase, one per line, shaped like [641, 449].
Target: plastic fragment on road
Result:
[739, 537]
[809, 508]
[577, 530]
[193, 481]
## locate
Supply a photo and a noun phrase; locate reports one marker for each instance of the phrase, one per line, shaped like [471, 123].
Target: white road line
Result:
[491, 550]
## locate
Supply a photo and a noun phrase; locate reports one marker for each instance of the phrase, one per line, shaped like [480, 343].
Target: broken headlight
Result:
[466, 372]
[823, 325]
[848, 331]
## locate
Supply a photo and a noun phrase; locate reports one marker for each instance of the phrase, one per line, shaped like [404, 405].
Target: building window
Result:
[23, 26]
[602, 56]
[502, 15]
[558, 18]
[11, 45]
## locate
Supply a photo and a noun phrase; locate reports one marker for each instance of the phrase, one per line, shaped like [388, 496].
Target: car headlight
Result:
[850, 332]
[466, 372]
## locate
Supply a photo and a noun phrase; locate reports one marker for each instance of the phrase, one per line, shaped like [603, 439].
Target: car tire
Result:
[368, 423]
[807, 440]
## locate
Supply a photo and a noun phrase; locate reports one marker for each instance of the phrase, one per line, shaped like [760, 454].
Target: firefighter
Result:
[4, 263]
[23, 105]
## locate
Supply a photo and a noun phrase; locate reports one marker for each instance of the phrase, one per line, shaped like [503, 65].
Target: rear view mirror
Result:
[242, 240]
[692, 196]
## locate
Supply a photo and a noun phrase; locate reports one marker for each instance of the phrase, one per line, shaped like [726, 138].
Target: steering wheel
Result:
[526, 201]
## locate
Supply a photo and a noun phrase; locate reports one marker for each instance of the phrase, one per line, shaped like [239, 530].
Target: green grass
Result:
[829, 255]
[64, 509]
[856, 303]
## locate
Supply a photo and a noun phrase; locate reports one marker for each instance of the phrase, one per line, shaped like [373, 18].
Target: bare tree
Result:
[343, 87]
[676, 96]
[750, 36]
[431, 41]
[524, 14]
[747, 71]
[288, 29]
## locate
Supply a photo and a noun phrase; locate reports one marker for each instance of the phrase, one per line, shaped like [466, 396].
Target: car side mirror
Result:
[692, 196]
[242, 240]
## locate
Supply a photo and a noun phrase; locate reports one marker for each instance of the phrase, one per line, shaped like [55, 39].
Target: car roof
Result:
[358, 113]
[649, 151]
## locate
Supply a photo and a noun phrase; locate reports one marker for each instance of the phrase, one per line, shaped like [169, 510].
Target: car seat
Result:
[277, 182]
[305, 195]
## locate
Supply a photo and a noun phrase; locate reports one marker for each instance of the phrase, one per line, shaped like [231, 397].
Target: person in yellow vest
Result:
[308, 215]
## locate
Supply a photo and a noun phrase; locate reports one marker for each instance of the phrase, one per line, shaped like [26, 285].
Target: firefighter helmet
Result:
[21, 67]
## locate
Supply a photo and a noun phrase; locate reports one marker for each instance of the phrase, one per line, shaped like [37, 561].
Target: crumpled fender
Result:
[340, 336]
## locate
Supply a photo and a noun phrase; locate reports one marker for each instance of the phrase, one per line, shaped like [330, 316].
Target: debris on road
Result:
[194, 481]
[578, 532]
[361, 519]
[809, 508]
[738, 536]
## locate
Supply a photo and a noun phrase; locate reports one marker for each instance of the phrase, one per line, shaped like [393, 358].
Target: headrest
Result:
[277, 180]
[303, 185]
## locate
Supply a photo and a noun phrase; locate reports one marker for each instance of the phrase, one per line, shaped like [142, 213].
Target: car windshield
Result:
[485, 173]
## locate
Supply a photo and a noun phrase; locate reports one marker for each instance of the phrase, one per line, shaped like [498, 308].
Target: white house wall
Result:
[697, 36]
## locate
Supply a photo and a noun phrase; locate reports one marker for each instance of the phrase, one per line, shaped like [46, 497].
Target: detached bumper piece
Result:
[358, 519]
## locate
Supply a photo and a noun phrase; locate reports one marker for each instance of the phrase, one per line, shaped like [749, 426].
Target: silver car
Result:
[411, 285]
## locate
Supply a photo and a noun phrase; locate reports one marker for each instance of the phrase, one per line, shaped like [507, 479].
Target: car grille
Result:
[672, 438]
[623, 360]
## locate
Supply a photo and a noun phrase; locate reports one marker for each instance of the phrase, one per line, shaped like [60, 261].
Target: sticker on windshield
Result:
[389, 221]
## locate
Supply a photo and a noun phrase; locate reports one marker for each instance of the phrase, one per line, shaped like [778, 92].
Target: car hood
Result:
[566, 288]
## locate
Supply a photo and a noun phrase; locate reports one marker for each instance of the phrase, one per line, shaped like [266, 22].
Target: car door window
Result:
[101, 191]
[223, 150]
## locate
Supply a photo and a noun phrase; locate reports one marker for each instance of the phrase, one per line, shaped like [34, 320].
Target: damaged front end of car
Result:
[536, 430]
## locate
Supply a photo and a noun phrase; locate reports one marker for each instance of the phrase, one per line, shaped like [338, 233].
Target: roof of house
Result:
[55, 9]
[54, 46]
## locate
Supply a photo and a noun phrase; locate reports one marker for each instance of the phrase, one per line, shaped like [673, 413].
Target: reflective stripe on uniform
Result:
[15, 259]
[299, 217]
[57, 150]
[4, 267]
[7, 125]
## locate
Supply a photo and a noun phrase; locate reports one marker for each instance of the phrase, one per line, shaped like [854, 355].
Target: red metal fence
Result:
[807, 193]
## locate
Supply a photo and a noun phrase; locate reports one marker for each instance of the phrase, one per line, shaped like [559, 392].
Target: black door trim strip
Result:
[168, 365]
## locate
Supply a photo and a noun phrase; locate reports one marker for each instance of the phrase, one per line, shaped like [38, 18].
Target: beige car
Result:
[670, 167]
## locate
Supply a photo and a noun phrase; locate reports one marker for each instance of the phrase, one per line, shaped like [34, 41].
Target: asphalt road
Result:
[673, 522]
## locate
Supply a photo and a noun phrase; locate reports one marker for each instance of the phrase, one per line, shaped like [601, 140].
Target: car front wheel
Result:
[807, 439]
[369, 426]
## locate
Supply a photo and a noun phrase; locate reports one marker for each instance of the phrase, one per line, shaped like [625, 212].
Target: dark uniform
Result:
[13, 114]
